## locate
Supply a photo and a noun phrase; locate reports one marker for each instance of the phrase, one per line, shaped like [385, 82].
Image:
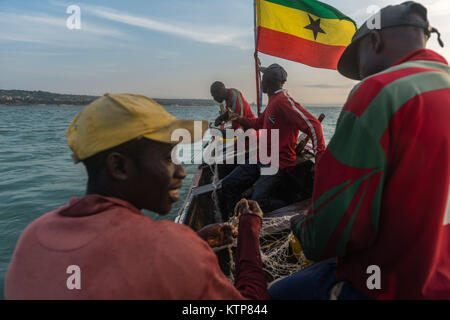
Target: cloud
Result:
[19, 38]
[40, 28]
[217, 35]
[41, 19]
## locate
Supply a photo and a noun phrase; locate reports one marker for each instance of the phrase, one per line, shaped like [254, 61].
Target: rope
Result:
[277, 254]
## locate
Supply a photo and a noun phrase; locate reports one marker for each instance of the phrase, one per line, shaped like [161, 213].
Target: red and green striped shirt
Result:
[382, 189]
[239, 105]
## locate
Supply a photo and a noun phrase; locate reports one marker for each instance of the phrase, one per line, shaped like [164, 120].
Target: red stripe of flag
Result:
[286, 46]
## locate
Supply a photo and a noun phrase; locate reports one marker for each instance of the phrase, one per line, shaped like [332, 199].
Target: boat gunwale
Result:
[181, 215]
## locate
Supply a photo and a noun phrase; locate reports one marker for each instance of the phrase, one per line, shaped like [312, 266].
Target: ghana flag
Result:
[305, 31]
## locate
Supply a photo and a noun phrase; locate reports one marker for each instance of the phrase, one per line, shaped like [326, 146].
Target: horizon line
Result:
[337, 105]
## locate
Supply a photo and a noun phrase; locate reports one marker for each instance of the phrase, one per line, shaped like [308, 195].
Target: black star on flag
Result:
[314, 26]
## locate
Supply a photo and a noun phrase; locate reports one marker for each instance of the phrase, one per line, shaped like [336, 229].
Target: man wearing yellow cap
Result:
[102, 247]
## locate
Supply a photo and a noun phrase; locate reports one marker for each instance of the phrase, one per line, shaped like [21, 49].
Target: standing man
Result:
[381, 200]
[289, 118]
[234, 100]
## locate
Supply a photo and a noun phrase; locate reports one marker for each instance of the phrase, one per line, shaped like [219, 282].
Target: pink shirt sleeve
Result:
[204, 279]
[250, 277]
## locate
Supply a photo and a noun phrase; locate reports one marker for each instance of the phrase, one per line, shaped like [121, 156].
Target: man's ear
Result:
[376, 40]
[118, 166]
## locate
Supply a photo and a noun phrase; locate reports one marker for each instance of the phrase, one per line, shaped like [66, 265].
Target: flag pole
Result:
[257, 73]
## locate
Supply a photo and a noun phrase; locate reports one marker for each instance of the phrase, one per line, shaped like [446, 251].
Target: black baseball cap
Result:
[275, 72]
[390, 16]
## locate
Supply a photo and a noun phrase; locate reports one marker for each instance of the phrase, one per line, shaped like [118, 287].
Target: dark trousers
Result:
[242, 178]
[314, 283]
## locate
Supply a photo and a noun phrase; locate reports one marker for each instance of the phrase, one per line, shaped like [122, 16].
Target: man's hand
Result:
[250, 207]
[221, 116]
[233, 116]
[224, 117]
[218, 121]
[218, 234]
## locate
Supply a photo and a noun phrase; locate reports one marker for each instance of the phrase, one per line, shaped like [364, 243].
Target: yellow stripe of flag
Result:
[293, 21]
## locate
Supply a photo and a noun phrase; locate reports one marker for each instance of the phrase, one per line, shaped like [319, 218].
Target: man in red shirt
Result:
[234, 100]
[286, 116]
[102, 247]
[381, 200]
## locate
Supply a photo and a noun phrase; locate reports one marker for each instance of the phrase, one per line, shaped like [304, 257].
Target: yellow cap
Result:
[118, 118]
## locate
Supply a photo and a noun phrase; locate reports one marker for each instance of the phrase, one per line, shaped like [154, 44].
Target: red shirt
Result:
[238, 104]
[382, 190]
[123, 254]
[289, 117]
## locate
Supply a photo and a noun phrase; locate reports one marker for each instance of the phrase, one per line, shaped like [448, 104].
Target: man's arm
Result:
[250, 278]
[248, 112]
[218, 234]
[298, 117]
[347, 191]
[249, 123]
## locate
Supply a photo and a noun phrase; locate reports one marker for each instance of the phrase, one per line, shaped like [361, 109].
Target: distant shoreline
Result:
[39, 105]
[83, 105]
[23, 98]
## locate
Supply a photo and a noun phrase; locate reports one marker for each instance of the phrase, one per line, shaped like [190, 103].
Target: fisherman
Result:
[287, 116]
[234, 101]
[381, 201]
[105, 241]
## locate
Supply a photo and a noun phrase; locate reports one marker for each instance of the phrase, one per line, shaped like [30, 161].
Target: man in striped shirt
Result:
[286, 116]
[234, 100]
[381, 195]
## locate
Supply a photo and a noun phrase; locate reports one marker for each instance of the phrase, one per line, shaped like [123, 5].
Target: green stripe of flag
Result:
[314, 7]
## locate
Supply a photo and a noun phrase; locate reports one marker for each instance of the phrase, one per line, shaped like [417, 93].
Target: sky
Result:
[162, 48]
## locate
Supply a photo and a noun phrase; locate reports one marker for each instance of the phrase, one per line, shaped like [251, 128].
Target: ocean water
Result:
[37, 174]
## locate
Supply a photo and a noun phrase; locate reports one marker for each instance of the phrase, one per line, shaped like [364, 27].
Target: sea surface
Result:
[37, 174]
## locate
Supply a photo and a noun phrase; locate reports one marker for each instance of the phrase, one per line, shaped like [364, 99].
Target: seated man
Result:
[125, 143]
[289, 118]
[381, 200]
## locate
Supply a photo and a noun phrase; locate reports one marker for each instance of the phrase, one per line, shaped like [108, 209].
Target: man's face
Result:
[156, 180]
[219, 95]
[268, 84]
[375, 51]
[265, 84]
[366, 58]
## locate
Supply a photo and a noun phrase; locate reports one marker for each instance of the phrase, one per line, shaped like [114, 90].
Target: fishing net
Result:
[280, 250]
[281, 253]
